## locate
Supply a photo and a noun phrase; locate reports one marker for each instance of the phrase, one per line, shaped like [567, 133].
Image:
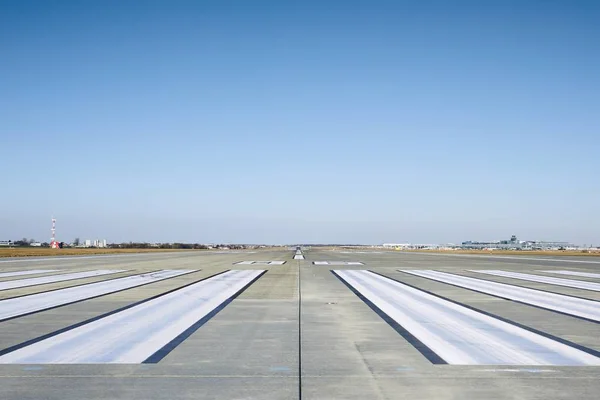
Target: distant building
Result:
[394, 245]
[6, 243]
[515, 244]
[100, 243]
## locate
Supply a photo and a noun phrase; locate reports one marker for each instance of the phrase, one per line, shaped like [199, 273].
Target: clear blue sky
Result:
[325, 121]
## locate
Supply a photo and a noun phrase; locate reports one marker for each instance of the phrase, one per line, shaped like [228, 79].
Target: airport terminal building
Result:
[515, 244]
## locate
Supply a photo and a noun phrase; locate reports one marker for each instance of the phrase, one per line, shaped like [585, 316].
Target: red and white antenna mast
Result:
[53, 242]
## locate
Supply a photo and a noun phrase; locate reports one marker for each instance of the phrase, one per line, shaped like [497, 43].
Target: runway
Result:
[263, 325]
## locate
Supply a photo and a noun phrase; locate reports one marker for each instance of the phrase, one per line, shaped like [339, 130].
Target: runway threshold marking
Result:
[29, 304]
[574, 273]
[573, 306]
[543, 279]
[338, 263]
[447, 332]
[144, 332]
[259, 263]
[29, 272]
[564, 260]
[56, 278]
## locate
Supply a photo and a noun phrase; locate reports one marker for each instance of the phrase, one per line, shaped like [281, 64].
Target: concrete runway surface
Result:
[419, 326]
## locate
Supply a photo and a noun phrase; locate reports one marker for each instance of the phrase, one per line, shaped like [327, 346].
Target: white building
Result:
[100, 243]
[401, 245]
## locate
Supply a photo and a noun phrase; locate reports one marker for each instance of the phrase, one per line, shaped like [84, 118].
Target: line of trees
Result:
[191, 246]
[27, 242]
[138, 245]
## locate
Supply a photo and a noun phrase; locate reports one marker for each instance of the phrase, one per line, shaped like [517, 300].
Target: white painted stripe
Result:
[134, 334]
[503, 257]
[260, 263]
[337, 263]
[360, 252]
[565, 304]
[29, 272]
[298, 257]
[75, 258]
[574, 273]
[458, 334]
[543, 279]
[56, 278]
[10, 308]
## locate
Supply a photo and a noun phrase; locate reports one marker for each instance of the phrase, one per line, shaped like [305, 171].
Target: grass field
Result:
[47, 252]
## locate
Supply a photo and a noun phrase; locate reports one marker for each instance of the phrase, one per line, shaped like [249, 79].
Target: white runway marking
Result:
[566, 304]
[18, 306]
[30, 272]
[298, 257]
[75, 258]
[543, 279]
[359, 252]
[458, 334]
[133, 335]
[337, 263]
[260, 263]
[574, 273]
[504, 257]
[56, 278]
